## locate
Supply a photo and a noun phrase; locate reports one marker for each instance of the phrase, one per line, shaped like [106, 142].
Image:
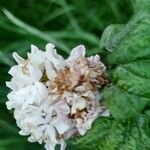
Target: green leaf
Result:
[141, 5]
[18, 143]
[122, 104]
[128, 66]
[108, 40]
[109, 134]
[131, 135]
[91, 139]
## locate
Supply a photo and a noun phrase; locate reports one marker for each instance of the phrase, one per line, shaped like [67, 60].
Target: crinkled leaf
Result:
[141, 5]
[129, 67]
[108, 41]
[91, 139]
[108, 134]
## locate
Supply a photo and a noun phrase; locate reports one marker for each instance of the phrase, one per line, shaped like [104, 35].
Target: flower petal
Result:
[50, 145]
[53, 57]
[50, 72]
[36, 56]
[63, 145]
[77, 52]
[35, 72]
[18, 59]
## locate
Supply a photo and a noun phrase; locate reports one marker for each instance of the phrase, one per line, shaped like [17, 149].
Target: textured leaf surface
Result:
[129, 67]
[108, 134]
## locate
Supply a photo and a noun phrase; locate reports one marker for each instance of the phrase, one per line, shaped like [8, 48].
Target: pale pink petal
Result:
[62, 107]
[62, 123]
[93, 60]
[77, 52]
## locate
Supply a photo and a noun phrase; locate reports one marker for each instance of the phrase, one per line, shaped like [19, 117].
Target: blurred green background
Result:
[66, 23]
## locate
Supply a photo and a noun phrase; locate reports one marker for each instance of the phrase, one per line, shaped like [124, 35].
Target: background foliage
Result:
[124, 48]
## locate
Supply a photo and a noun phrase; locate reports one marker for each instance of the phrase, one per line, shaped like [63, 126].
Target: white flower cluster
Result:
[55, 98]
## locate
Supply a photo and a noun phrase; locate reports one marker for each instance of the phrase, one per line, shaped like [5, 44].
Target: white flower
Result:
[55, 98]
